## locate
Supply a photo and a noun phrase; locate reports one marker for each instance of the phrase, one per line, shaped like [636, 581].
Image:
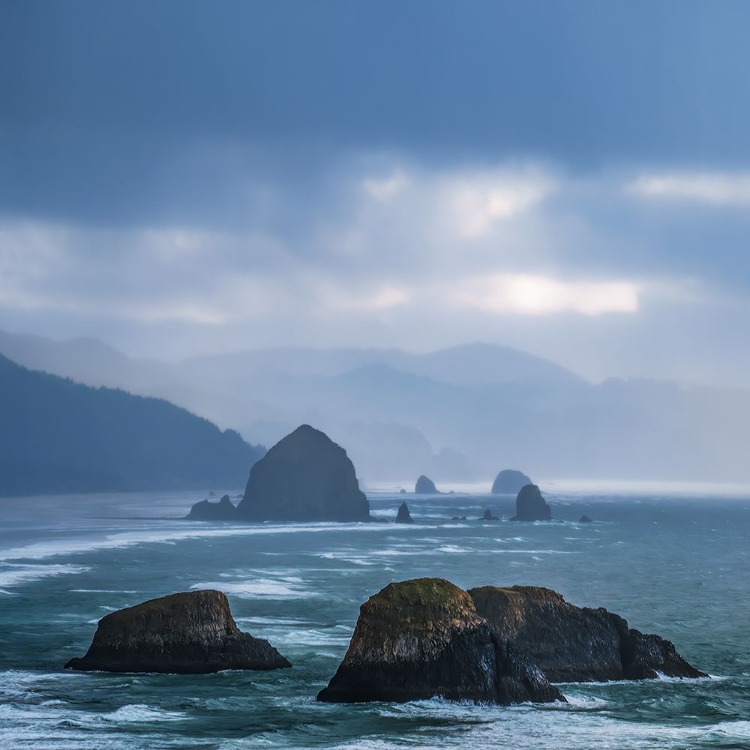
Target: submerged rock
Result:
[403, 515]
[186, 633]
[304, 477]
[422, 638]
[205, 510]
[584, 519]
[487, 516]
[425, 486]
[574, 644]
[509, 482]
[531, 506]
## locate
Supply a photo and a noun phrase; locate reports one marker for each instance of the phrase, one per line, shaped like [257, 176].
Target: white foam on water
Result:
[14, 574]
[41, 550]
[101, 591]
[141, 713]
[268, 588]
[453, 549]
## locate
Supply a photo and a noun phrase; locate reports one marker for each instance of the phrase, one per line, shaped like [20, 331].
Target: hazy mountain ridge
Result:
[58, 436]
[456, 414]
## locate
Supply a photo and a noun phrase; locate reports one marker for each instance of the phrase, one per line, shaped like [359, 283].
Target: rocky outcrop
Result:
[531, 506]
[422, 638]
[584, 519]
[487, 516]
[304, 477]
[403, 515]
[425, 486]
[186, 633]
[205, 510]
[509, 482]
[574, 644]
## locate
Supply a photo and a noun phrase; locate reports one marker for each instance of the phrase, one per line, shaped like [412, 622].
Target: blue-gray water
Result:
[676, 566]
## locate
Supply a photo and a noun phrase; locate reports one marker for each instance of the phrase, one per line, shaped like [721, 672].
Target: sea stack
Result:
[531, 506]
[304, 477]
[421, 639]
[509, 482]
[425, 486]
[205, 510]
[584, 519]
[574, 644]
[403, 515]
[487, 516]
[187, 633]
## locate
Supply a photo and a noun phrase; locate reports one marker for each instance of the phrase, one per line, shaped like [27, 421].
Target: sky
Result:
[568, 178]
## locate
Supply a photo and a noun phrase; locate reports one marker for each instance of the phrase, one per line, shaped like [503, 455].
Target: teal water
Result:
[678, 566]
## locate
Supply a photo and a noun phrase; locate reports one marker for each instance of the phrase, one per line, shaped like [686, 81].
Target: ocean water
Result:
[674, 563]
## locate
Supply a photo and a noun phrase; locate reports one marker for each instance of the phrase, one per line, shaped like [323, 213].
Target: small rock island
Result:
[509, 482]
[531, 506]
[191, 632]
[428, 638]
[304, 477]
[425, 486]
[205, 510]
[403, 515]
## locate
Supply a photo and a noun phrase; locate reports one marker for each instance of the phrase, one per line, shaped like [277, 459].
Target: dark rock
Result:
[530, 505]
[224, 510]
[186, 633]
[425, 486]
[648, 656]
[509, 482]
[584, 519]
[402, 491]
[487, 516]
[574, 644]
[304, 477]
[403, 514]
[458, 518]
[422, 638]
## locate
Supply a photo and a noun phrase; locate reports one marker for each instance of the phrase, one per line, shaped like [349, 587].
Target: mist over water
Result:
[670, 563]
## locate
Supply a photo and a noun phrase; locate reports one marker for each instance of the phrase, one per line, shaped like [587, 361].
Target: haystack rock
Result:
[425, 486]
[421, 639]
[187, 633]
[403, 515]
[205, 510]
[531, 506]
[304, 477]
[574, 644]
[509, 482]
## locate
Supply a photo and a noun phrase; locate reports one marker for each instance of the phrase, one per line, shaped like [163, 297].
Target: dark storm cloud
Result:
[104, 103]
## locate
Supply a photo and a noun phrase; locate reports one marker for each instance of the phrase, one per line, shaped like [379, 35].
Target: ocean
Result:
[674, 561]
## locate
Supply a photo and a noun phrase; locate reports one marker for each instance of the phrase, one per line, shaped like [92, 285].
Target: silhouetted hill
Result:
[57, 436]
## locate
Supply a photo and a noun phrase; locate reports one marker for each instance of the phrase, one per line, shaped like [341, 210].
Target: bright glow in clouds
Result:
[539, 295]
[385, 189]
[714, 188]
[480, 200]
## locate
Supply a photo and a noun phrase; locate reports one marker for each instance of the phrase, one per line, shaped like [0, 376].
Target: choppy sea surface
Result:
[676, 563]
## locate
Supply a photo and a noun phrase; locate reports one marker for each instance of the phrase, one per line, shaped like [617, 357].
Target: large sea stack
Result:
[304, 477]
[574, 644]
[425, 486]
[531, 506]
[187, 633]
[509, 482]
[422, 638]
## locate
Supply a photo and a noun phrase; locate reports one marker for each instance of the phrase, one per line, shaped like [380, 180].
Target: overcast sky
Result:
[569, 178]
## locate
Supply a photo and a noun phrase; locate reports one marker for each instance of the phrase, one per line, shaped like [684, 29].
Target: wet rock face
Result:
[403, 515]
[531, 506]
[421, 639]
[509, 482]
[425, 486]
[224, 510]
[648, 656]
[304, 477]
[187, 633]
[574, 644]
[584, 519]
[487, 516]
